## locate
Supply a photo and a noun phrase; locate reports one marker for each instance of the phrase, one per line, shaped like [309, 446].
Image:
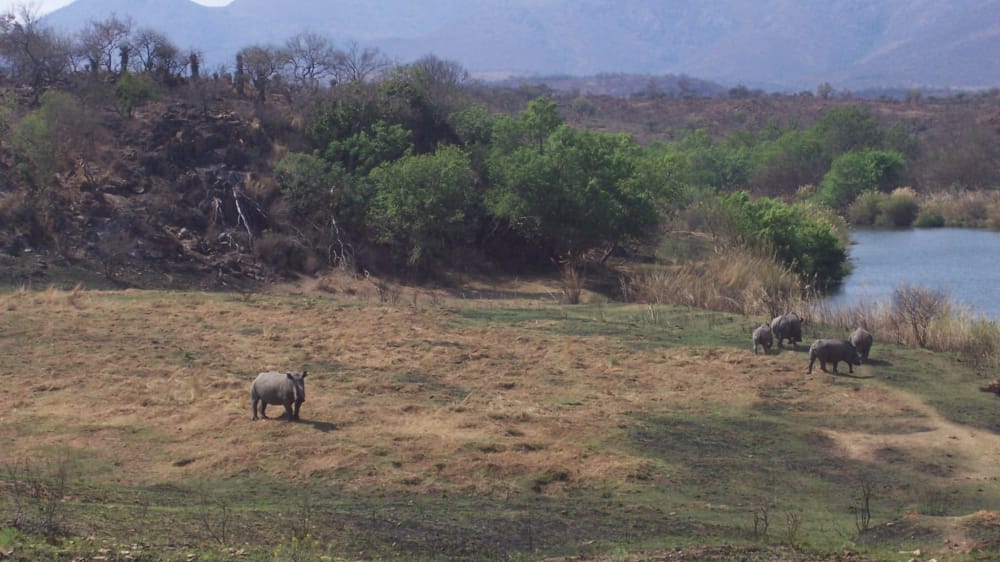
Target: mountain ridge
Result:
[783, 44]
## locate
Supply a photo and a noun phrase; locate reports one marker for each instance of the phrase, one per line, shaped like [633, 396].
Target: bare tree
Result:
[442, 72]
[35, 55]
[262, 63]
[100, 41]
[916, 308]
[359, 65]
[311, 59]
[149, 47]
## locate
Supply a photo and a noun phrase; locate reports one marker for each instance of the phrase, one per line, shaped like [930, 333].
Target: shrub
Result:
[855, 172]
[423, 205]
[993, 220]
[804, 237]
[975, 209]
[866, 208]
[285, 254]
[901, 207]
[916, 308]
[918, 315]
[929, 218]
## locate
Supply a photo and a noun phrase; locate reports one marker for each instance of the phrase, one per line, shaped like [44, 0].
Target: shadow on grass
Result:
[878, 363]
[851, 375]
[325, 427]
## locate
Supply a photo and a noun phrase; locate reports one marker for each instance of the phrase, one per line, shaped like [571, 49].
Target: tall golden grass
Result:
[976, 209]
[953, 328]
[738, 281]
[733, 280]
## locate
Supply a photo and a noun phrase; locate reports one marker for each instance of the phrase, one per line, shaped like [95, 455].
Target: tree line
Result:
[416, 165]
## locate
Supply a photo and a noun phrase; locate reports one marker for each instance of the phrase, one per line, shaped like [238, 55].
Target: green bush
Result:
[424, 204]
[132, 90]
[801, 236]
[853, 173]
[929, 218]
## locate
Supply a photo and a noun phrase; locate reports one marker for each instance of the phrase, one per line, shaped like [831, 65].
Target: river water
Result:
[962, 263]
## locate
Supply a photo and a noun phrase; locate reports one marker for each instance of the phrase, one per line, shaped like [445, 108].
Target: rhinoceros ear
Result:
[304, 373]
[289, 376]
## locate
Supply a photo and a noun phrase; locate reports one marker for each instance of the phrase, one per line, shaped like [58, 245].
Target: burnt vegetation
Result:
[123, 153]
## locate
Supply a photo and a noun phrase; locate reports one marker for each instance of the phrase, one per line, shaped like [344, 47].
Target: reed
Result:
[733, 280]
[972, 209]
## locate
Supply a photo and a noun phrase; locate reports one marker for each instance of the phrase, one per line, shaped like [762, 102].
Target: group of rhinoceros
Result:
[853, 351]
[288, 389]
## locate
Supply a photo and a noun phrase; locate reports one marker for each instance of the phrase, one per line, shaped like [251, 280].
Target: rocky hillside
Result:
[174, 192]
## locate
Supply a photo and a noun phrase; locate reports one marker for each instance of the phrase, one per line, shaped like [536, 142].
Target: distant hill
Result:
[773, 44]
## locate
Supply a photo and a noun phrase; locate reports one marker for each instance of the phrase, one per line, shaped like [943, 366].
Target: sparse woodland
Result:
[122, 152]
[450, 417]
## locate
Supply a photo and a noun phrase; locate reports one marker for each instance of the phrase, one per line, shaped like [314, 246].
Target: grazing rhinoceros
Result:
[787, 327]
[762, 336]
[833, 351]
[272, 387]
[862, 340]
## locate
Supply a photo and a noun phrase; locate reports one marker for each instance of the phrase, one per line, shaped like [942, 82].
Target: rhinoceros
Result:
[862, 340]
[273, 387]
[833, 351]
[762, 336]
[787, 327]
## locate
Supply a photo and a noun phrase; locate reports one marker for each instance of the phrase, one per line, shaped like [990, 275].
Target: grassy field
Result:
[490, 424]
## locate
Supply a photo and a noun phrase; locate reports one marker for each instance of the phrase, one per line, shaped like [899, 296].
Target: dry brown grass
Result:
[413, 397]
[399, 397]
[956, 329]
[979, 209]
[733, 280]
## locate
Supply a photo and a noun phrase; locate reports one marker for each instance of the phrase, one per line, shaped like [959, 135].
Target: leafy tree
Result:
[474, 126]
[348, 110]
[578, 191]
[45, 139]
[793, 159]
[365, 150]
[423, 95]
[715, 166]
[845, 129]
[424, 204]
[856, 172]
[801, 237]
[307, 181]
[539, 120]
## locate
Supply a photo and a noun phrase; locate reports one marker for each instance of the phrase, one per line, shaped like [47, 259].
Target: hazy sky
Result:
[46, 6]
